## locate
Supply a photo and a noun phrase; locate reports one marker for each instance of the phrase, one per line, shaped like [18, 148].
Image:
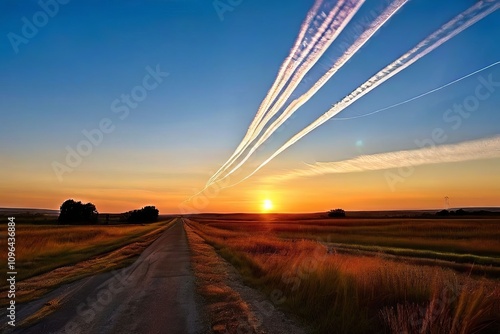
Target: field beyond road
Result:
[360, 275]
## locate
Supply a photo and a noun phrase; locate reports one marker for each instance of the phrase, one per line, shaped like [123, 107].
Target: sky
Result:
[200, 69]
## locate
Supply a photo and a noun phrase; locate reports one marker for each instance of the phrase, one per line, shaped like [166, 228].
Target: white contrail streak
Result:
[318, 36]
[330, 29]
[416, 97]
[285, 72]
[295, 57]
[287, 68]
[445, 33]
[331, 32]
[296, 104]
[486, 148]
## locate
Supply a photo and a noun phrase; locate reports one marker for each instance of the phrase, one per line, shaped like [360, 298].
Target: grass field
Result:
[358, 275]
[50, 255]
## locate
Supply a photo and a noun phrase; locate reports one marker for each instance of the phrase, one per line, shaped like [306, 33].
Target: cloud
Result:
[487, 148]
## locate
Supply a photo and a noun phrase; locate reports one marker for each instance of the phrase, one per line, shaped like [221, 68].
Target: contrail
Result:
[284, 74]
[287, 68]
[296, 55]
[255, 127]
[461, 22]
[330, 35]
[486, 148]
[296, 104]
[418, 96]
[316, 38]
[332, 26]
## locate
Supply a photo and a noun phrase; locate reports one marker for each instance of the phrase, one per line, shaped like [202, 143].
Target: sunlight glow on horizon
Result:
[267, 205]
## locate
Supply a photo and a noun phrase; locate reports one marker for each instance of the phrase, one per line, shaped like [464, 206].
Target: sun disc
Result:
[267, 205]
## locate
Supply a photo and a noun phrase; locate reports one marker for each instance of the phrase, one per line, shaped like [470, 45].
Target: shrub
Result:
[147, 214]
[336, 213]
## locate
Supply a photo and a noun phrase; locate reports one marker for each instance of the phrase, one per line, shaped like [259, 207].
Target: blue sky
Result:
[65, 79]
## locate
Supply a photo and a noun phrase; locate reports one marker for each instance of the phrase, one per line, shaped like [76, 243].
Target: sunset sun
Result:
[267, 205]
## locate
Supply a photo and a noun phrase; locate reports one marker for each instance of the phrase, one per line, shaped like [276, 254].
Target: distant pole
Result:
[446, 202]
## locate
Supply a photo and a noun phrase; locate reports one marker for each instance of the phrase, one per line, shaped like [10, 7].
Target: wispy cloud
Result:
[486, 148]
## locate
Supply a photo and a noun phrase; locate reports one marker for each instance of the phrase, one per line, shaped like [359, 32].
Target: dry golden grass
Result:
[479, 236]
[224, 305]
[41, 248]
[80, 252]
[357, 294]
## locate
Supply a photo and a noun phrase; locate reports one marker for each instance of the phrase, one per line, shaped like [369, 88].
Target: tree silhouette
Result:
[72, 212]
[147, 214]
[443, 213]
[337, 213]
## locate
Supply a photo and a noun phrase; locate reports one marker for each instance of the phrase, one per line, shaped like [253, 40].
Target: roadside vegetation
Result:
[50, 255]
[354, 293]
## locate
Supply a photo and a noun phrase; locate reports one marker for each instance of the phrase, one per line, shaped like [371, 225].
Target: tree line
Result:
[78, 213]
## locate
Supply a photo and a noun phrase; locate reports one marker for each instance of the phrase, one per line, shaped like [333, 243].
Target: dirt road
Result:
[157, 294]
